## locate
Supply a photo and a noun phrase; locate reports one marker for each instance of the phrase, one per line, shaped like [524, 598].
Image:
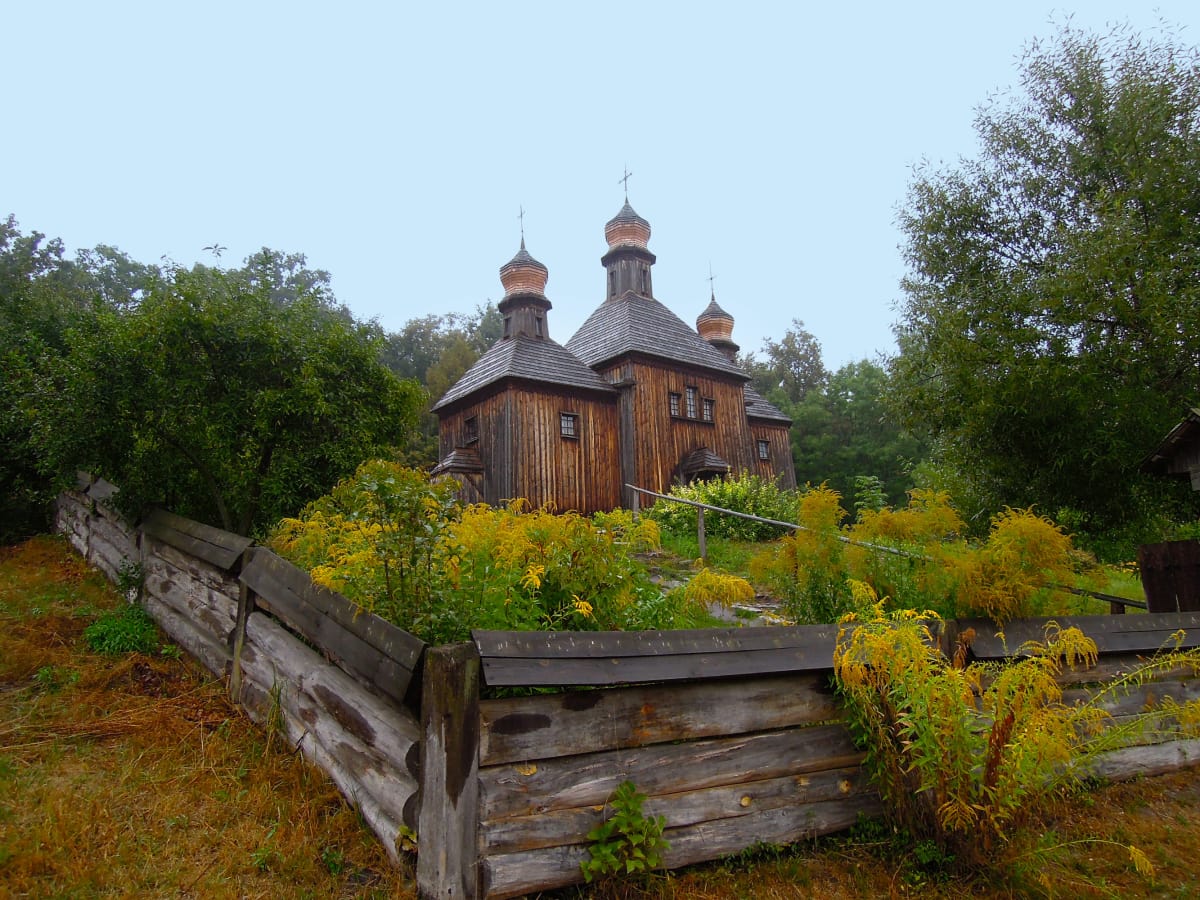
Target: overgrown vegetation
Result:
[964, 755]
[744, 493]
[127, 629]
[399, 545]
[918, 556]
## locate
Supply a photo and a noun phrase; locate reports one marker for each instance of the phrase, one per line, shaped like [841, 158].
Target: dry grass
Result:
[133, 776]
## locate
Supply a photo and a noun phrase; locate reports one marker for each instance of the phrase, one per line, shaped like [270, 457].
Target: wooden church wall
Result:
[779, 464]
[519, 438]
[579, 473]
[655, 441]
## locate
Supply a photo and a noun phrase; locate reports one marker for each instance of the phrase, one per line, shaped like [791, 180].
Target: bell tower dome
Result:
[628, 259]
[525, 304]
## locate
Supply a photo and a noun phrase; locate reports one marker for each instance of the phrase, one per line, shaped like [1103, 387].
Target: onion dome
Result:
[714, 322]
[627, 228]
[716, 326]
[523, 274]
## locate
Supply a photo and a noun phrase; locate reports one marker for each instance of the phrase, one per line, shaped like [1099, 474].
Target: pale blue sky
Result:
[394, 143]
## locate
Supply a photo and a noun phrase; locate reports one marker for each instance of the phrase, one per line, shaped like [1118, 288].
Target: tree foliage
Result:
[43, 294]
[437, 350]
[229, 396]
[1050, 334]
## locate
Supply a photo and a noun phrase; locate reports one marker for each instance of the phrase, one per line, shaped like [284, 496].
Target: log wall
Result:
[332, 680]
[518, 435]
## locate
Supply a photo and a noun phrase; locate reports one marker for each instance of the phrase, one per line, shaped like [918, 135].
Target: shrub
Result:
[950, 770]
[745, 493]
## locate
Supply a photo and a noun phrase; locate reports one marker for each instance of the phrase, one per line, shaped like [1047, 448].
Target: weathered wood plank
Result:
[1140, 698]
[509, 875]
[196, 640]
[546, 726]
[377, 805]
[220, 548]
[1151, 759]
[604, 644]
[1112, 634]
[360, 658]
[364, 776]
[604, 658]
[571, 826]
[375, 721]
[590, 779]
[447, 863]
[390, 640]
[191, 600]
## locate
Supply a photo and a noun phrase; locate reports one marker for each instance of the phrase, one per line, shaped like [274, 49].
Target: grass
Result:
[132, 775]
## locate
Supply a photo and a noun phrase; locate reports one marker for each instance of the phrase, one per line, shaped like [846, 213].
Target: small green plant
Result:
[263, 856]
[626, 843]
[126, 630]
[333, 859]
[53, 679]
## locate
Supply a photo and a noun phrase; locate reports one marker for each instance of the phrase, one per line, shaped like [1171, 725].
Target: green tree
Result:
[793, 366]
[43, 294]
[845, 432]
[1050, 333]
[228, 396]
[436, 351]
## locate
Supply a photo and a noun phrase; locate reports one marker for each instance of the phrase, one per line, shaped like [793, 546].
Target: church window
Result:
[645, 280]
[537, 326]
[470, 430]
[508, 326]
[691, 402]
[764, 449]
[707, 409]
[674, 398]
[569, 424]
[612, 283]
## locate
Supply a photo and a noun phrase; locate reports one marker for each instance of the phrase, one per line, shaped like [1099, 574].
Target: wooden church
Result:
[635, 397]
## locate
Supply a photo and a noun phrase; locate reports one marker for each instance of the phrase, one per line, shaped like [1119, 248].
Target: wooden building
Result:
[635, 397]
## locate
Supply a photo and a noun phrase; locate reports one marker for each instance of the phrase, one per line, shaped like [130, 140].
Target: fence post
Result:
[237, 637]
[701, 537]
[447, 852]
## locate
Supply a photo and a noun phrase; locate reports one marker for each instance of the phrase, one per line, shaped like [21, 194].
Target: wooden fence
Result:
[733, 734]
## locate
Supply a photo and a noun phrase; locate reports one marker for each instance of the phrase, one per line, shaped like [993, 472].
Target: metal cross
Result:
[625, 181]
[711, 290]
[521, 216]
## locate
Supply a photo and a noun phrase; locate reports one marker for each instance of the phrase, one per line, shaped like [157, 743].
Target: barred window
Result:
[569, 424]
[470, 430]
[674, 398]
[764, 449]
[691, 402]
[707, 409]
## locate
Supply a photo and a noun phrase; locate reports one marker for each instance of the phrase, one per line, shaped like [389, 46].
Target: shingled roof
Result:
[636, 324]
[758, 407]
[531, 359]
